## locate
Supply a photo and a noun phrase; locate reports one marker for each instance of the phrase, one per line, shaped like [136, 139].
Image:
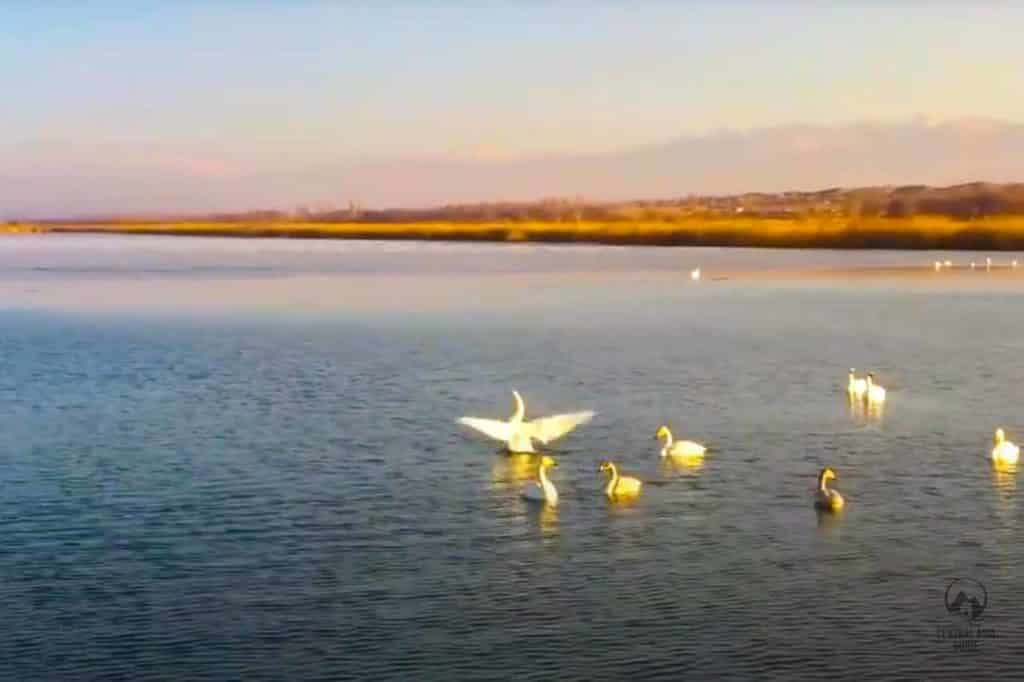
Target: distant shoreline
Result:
[997, 233]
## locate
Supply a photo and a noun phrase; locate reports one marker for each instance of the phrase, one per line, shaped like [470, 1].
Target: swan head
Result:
[662, 432]
[548, 462]
[826, 475]
[606, 467]
[999, 437]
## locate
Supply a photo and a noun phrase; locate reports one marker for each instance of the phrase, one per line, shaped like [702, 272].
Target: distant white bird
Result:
[542, 490]
[972, 265]
[875, 394]
[948, 263]
[1004, 451]
[1013, 264]
[938, 266]
[518, 435]
[988, 263]
[695, 274]
[856, 387]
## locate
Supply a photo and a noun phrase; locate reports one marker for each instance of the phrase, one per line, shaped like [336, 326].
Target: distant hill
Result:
[964, 202]
[766, 160]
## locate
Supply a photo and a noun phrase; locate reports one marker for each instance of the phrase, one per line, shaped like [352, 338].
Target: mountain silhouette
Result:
[770, 159]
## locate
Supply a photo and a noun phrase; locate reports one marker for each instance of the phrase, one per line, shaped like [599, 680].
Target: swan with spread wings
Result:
[518, 435]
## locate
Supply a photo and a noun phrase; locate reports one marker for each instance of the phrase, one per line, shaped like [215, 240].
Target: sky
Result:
[191, 94]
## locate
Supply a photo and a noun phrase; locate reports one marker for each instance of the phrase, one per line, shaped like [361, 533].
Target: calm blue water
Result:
[235, 459]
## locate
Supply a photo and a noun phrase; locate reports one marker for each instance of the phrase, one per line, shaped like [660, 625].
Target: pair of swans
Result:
[543, 490]
[865, 388]
[518, 436]
[1004, 453]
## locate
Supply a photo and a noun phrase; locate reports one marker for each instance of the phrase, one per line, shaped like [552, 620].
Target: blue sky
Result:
[214, 87]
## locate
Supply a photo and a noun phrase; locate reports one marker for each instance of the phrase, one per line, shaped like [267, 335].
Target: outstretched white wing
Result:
[547, 429]
[492, 427]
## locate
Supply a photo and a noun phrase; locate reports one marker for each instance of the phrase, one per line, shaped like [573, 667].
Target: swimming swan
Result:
[695, 274]
[619, 486]
[1004, 451]
[856, 387]
[875, 394]
[682, 448]
[825, 498]
[518, 435]
[542, 490]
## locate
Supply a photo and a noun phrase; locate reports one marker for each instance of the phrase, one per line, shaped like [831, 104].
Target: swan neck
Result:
[614, 482]
[520, 411]
[542, 475]
[668, 438]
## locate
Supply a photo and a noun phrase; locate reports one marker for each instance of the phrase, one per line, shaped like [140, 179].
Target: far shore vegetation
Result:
[976, 216]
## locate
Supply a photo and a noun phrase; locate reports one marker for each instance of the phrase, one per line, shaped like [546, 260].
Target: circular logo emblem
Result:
[967, 598]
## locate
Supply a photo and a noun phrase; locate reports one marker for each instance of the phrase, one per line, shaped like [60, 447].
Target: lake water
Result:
[238, 459]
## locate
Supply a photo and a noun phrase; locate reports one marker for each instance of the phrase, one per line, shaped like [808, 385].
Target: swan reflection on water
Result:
[829, 523]
[545, 517]
[1004, 476]
[1004, 480]
[682, 465]
[865, 412]
[511, 471]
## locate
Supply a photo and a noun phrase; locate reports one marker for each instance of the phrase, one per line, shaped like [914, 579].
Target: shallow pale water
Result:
[225, 459]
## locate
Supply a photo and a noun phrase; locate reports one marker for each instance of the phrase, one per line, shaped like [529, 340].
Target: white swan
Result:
[937, 265]
[619, 487]
[856, 387]
[542, 490]
[875, 394]
[682, 448]
[518, 435]
[824, 497]
[1004, 451]
[695, 274]
[948, 263]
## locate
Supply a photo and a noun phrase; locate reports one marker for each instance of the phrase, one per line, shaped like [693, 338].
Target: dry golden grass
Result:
[918, 232]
